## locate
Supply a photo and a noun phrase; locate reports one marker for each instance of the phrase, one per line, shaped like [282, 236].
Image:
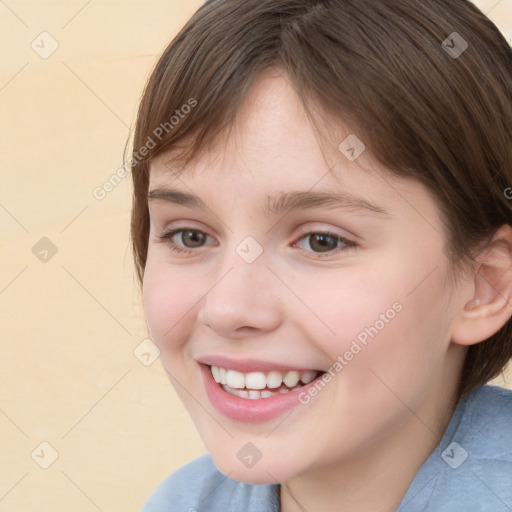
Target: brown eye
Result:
[192, 239]
[322, 243]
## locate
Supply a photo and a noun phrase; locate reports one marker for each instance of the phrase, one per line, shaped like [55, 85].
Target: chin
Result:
[262, 472]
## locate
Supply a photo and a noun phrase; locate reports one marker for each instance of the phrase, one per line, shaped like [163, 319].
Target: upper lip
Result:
[250, 365]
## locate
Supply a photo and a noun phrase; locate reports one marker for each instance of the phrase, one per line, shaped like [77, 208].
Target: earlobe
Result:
[490, 306]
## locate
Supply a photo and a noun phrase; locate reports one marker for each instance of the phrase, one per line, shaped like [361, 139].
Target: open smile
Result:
[255, 396]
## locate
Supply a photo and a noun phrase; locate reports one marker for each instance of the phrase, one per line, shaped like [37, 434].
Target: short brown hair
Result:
[386, 67]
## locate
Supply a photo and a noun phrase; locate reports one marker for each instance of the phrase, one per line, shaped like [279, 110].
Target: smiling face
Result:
[357, 288]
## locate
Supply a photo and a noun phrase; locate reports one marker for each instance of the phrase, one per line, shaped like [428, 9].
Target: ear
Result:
[488, 305]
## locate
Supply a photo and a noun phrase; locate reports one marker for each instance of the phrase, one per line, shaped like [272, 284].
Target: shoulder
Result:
[487, 423]
[199, 486]
[478, 458]
[182, 486]
[470, 468]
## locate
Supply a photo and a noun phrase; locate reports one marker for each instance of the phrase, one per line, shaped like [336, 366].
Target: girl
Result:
[322, 229]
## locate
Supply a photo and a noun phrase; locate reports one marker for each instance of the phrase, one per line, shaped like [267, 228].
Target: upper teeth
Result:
[260, 380]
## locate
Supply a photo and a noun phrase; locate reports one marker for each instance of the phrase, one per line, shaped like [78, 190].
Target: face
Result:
[345, 299]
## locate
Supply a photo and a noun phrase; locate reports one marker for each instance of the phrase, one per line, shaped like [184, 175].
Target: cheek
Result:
[350, 303]
[405, 360]
[379, 323]
[168, 298]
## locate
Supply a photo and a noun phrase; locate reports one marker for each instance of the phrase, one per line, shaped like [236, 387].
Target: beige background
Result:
[71, 324]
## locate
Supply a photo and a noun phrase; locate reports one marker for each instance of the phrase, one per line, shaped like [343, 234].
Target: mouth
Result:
[253, 396]
[258, 385]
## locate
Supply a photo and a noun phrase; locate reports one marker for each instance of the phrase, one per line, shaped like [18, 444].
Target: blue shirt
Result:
[469, 471]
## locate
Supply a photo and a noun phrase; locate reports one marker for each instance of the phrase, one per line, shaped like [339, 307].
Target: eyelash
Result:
[166, 238]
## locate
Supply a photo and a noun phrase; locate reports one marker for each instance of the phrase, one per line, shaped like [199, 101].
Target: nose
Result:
[243, 301]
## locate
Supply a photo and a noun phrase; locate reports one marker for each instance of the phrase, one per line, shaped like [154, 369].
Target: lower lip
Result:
[247, 410]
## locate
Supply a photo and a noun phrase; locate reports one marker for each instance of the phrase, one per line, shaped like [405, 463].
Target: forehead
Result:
[273, 148]
[271, 132]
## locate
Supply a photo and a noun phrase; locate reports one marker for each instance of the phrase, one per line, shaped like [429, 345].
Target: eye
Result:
[325, 243]
[191, 239]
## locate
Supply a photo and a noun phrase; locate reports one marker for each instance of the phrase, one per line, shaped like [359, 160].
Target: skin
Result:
[390, 405]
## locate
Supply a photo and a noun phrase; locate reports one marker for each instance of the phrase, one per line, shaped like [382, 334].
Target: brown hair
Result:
[422, 110]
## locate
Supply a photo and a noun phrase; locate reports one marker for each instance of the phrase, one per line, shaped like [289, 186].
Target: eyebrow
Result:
[280, 203]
